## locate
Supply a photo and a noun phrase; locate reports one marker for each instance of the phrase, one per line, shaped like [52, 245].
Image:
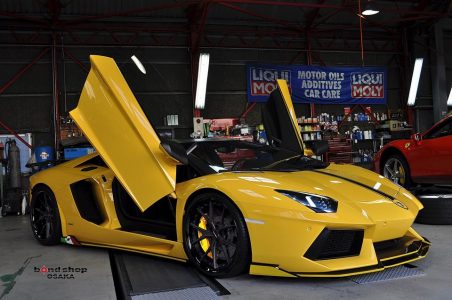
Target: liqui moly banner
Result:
[320, 85]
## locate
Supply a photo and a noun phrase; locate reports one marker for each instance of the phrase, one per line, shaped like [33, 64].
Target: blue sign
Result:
[319, 85]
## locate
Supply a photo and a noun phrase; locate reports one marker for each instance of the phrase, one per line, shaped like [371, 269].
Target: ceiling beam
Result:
[135, 11]
[260, 16]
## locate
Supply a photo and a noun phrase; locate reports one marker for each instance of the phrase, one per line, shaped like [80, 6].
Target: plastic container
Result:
[71, 153]
[44, 153]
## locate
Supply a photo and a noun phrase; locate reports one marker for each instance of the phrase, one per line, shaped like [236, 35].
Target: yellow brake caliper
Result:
[402, 175]
[205, 244]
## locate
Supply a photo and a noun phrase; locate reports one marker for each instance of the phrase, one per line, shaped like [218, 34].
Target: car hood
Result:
[361, 177]
[358, 189]
[331, 180]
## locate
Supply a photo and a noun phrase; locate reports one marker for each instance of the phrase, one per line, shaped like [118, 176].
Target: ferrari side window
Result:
[440, 131]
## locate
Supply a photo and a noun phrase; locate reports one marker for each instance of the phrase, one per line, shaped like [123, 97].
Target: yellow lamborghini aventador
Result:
[273, 211]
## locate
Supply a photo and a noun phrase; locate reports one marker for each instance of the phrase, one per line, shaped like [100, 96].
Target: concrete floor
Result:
[21, 256]
[435, 284]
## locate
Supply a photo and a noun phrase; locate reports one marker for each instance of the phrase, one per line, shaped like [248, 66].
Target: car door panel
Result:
[431, 158]
[280, 121]
[113, 121]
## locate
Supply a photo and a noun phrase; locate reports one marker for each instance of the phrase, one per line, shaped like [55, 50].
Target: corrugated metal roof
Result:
[240, 21]
[77, 8]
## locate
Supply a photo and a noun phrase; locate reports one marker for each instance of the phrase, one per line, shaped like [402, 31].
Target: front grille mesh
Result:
[385, 245]
[336, 243]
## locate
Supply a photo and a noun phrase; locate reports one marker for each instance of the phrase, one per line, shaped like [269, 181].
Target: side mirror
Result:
[176, 151]
[416, 137]
[318, 147]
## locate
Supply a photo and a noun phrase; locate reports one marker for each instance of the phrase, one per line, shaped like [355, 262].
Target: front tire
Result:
[215, 236]
[396, 169]
[44, 217]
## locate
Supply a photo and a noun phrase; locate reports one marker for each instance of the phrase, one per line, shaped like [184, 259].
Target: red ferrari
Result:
[426, 158]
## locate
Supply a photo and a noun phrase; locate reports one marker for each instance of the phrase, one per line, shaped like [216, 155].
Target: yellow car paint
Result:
[284, 231]
[284, 88]
[280, 229]
[110, 116]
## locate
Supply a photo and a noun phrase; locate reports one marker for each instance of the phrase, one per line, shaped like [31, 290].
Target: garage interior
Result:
[45, 48]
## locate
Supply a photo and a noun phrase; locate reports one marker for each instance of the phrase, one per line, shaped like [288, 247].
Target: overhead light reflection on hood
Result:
[377, 185]
[251, 193]
[258, 179]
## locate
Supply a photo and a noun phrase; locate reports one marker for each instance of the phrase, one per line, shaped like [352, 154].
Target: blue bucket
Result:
[43, 154]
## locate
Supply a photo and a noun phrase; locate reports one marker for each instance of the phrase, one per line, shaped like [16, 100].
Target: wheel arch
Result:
[387, 153]
[60, 211]
[40, 185]
[216, 191]
[211, 190]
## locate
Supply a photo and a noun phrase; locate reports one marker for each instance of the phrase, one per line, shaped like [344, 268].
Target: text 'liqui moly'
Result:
[367, 85]
[263, 81]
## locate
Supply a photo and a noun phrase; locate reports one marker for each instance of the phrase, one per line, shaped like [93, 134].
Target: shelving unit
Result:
[355, 136]
[363, 141]
[171, 132]
[310, 131]
[339, 150]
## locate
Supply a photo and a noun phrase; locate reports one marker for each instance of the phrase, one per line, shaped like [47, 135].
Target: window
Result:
[444, 129]
[224, 156]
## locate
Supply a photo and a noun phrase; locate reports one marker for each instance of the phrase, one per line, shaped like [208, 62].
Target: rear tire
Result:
[45, 217]
[215, 236]
[436, 211]
[396, 169]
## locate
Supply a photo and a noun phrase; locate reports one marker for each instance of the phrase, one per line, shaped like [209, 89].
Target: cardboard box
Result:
[397, 126]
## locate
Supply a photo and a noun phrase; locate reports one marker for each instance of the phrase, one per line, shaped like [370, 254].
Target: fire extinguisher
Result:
[2, 147]
[13, 164]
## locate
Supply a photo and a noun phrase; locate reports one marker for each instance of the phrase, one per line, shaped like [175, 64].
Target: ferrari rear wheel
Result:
[215, 236]
[44, 216]
[396, 169]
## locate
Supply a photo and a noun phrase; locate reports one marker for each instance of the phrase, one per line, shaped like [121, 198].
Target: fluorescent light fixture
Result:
[201, 86]
[449, 100]
[415, 81]
[370, 12]
[370, 9]
[138, 64]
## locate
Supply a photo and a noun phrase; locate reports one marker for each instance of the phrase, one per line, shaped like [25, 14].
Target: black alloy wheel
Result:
[44, 216]
[215, 236]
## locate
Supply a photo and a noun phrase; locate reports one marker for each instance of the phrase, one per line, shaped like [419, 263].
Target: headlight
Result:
[319, 204]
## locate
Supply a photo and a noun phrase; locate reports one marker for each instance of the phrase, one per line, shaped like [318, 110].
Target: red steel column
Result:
[23, 70]
[55, 97]
[11, 82]
[15, 134]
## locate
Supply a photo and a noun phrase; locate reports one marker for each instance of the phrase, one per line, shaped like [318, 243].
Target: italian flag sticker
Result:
[69, 240]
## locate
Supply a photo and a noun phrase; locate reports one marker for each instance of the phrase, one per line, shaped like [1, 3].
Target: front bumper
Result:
[405, 250]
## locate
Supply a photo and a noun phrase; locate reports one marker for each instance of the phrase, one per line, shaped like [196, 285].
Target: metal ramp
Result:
[199, 293]
[143, 277]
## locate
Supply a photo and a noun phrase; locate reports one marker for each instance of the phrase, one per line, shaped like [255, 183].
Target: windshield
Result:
[224, 156]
